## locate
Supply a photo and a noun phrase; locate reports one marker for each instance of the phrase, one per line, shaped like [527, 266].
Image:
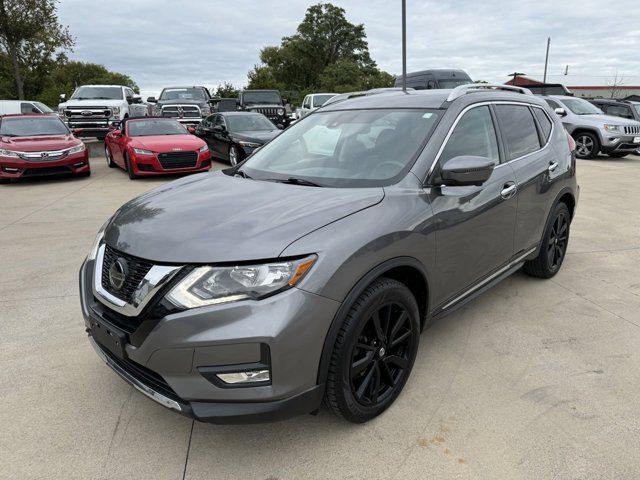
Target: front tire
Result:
[107, 153]
[587, 145]
[374, 351]
[554, 244]
[234, 155]
[130, 172]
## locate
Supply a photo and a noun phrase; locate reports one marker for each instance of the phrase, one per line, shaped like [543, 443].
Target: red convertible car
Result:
[34, 145]
[155, 146]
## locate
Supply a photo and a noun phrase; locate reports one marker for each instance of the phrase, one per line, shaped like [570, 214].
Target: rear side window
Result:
[619, 111]
[553, 104]
[519, 129]
[474, 135]
[544, 122]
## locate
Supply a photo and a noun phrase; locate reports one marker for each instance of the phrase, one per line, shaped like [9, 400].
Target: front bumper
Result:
[14, 168]
[149, 165]
[168, 358]
[622, 143]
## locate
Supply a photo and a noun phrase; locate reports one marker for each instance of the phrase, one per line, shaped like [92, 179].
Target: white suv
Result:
[313, 102]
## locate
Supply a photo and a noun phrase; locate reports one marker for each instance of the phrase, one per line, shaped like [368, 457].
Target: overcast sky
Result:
[161, 43]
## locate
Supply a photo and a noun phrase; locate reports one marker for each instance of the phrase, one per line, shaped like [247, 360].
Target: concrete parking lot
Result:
[533, 380]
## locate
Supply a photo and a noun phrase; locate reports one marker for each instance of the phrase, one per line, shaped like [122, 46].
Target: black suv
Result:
[618, 108]
[188, 105]
[267, 102]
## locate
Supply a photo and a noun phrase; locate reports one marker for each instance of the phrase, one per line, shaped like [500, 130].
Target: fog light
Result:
[78, 164]
[10, 169]
[245, 377]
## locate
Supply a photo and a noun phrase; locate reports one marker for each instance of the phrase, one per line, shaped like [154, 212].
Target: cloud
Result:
[161, 43]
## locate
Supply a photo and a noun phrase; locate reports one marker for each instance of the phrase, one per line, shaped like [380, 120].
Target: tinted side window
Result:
[28, 108]
[544, 122]
[474, 135]
[619, 111]
[519, 129]
[553, 104]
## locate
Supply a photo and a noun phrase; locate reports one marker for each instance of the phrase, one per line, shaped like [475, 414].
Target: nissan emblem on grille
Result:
[118, 273]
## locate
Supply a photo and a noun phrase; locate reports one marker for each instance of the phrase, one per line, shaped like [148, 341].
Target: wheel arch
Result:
[406, 270]
[579, 130]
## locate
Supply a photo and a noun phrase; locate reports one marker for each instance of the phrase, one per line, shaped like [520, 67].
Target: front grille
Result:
[137, 269]
[44, 156]
[267, 111]
[171, 160]
[45, 171]
[87, 113]
[632, 129]
[143, 375]
[181, 111]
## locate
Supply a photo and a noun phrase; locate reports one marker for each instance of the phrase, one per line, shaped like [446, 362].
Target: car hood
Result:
[213, 217]
[258, 137]
[597, 119]
[167, 143]
[91, 103]
[39, 143]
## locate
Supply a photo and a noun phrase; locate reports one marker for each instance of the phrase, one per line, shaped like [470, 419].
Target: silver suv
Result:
[594, 131]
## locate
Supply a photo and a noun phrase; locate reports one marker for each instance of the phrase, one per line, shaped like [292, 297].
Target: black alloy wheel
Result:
[374, 351]
[553, 247]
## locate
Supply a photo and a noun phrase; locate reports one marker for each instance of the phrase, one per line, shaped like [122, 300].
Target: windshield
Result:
[353, 148]
[261, 97]
[319, 100]
[581, 107]
[43, 108]
[32, 126]
[98, 93]
[183, 94]
[145, 128]
[452, 82]
[248, 123]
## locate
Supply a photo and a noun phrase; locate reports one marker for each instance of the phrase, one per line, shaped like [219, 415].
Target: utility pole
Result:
[546, 62]
[516, 75]
[404, 45]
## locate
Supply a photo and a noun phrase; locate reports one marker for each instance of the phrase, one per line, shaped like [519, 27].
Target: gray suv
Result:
[593, 131]
[308, 271]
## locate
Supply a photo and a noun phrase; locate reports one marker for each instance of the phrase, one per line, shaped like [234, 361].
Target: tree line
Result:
[326, 53]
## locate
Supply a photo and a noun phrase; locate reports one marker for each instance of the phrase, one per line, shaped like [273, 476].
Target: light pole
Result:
[404, 45]
[546, 61]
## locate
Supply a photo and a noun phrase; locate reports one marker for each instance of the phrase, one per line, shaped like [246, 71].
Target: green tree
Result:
[32, 38]
[226, 90]
[327, 52]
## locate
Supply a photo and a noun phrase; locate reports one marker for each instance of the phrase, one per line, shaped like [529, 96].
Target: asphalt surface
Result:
[533, 380]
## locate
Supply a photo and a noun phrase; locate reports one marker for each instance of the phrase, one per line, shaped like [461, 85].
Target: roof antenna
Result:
[404, 46]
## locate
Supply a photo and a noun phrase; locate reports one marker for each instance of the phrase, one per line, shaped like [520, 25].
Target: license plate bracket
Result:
[109, 337]
[636, 139]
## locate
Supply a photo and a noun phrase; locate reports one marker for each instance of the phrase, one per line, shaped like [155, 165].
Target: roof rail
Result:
[474, 87]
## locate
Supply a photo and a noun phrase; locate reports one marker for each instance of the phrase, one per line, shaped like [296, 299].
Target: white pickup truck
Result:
[92, 109]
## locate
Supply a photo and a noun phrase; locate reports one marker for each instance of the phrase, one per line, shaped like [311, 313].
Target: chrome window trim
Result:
[482, 104]
[153, 281]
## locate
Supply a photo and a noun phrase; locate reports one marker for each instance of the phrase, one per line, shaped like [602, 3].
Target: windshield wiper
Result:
[242, 173]
[295, 181]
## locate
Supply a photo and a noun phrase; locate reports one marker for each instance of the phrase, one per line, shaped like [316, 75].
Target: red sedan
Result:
[34, 145]
[155, 146]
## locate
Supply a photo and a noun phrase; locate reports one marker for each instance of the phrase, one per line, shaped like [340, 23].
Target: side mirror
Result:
[280, 126]
[191, 130]
[466, 170]
[129, 100]
[151, 99]
[285, 101]
[137, 98]
[117, 132]
[561, 112]
[63, 97]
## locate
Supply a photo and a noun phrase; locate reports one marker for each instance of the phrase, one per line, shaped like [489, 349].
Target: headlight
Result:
[96, 243]
[115, 111]
[203, 149]
[613, 128]
[158, 111]
[212, 285]
[205, 111]
[249, 144]
[77, 149]
[280, 111]
[8, 153]
[140, 151]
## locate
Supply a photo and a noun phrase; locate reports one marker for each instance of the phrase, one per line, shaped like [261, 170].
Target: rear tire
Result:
[374, 351]
[554, 244]
[618, 154]
[587, 145]
[130, 172]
